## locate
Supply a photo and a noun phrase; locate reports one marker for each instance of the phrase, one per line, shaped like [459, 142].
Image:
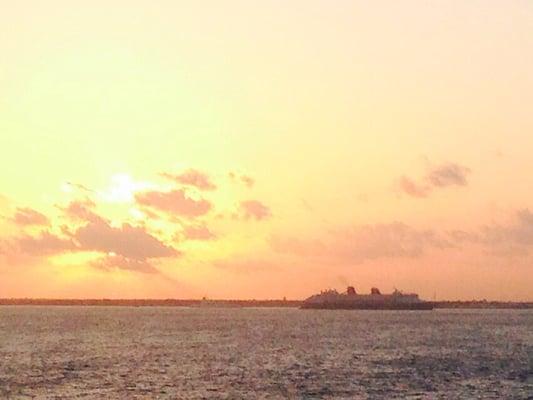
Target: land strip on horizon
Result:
[474, 304]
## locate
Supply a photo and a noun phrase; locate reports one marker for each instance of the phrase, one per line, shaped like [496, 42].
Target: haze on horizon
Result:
[161, 149]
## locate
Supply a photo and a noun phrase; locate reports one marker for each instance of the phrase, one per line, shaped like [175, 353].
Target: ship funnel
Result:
[351, 291]
[375, 290]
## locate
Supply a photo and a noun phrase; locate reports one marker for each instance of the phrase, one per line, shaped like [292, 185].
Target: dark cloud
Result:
[25, 216]
[175, 203]
[191, 177]
[254, 209]
[442, 176]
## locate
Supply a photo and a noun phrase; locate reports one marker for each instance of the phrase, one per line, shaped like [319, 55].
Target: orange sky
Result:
[242, 150]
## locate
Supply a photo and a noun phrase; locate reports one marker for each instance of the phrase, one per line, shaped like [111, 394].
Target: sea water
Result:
[263, 353]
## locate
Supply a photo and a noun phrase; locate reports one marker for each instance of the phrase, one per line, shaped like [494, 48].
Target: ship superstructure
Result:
[375, 300]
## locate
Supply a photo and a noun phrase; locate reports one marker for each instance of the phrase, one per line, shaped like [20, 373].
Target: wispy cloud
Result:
[439, 177]
[191, 177]
[82, 210]
[449, 174]
[246, 180]
[363, 243]
[198, 232]
[515, 238]
[121, 262]
[412, 188]
[254, 209]
[44, 244]
[175, 202]
[25, 216]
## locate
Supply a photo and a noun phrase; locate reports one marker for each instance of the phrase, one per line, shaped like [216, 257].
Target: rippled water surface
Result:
[200, 353]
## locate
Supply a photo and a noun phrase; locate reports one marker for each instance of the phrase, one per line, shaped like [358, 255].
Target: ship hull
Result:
[367, 306]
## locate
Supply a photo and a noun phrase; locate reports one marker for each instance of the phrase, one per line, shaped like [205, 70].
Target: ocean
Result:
[263, 353]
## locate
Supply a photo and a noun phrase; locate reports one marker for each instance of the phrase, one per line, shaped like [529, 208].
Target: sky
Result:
[237, 149]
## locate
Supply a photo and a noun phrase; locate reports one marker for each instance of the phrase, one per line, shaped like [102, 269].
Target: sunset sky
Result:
[242, 149]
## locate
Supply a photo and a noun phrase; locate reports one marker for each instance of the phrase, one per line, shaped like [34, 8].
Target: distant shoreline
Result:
[476, 304]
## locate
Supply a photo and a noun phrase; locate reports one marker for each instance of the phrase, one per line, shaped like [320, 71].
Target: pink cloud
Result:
[121, 262]
[126, 247]
[412, 188]
[254, 209]
[198, 232]
[44, 244]
[192, 177]
[364, 243]
[127, 241]
[28, 216]
[81, 210]
[174, 202]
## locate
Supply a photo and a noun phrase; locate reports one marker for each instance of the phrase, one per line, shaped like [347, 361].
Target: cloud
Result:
[254, 209]
[121, 262]
[81, 210]
[174, 202]
[442, 176]
[128, 241]
[126, 247]
[69, 187]
[364, 243]
[413, 189]
[198, 232]
[150, 214]
[45, 244]
[27, 216]
[459, 237]
[357, 244]
[192, 177]
[449, 174]
[512, 239]
[246, 180]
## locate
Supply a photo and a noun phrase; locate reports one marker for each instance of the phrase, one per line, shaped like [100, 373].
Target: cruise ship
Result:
[375, 300]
